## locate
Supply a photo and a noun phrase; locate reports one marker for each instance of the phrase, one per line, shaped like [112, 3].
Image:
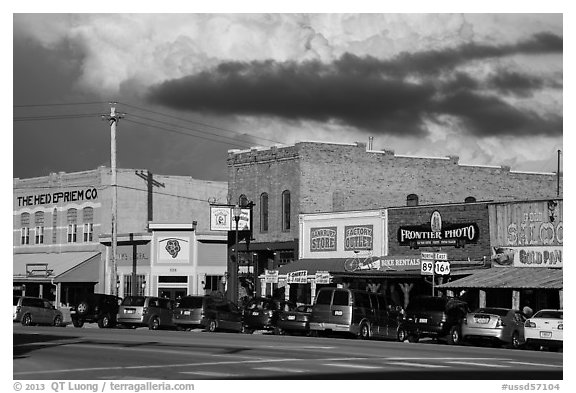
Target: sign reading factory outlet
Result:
[323, 239]
[358, 237]
[88, 194]
[438, 233]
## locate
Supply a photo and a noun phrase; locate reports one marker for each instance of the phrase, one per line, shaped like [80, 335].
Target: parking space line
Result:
[537, 364]
[418, 365]
[480, 364]
[280, 369]
[351, 365]
[208, 373]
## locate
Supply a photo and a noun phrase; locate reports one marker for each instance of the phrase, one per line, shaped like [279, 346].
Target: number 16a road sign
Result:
[442, 267]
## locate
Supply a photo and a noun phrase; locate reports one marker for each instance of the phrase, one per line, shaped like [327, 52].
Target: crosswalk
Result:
[327, 366]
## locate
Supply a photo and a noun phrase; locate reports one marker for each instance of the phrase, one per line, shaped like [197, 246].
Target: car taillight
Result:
[144, 310]
[561, 326]
[465, 321]
[18, 308]
[96, 309]
[500, 323]
[529, 324]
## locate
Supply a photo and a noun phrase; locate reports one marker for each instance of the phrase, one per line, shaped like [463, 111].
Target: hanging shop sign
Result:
[271, 276]
[438, 233]
[358, 237]
[297, 277]
[322, 277]
[222, 219]
[323, 239]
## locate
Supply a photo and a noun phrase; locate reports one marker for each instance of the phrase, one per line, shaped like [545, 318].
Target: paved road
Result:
[123, 354]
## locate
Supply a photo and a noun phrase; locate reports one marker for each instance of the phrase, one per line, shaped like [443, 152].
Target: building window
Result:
[39, 231]
[412, 200]
[25, 230]
[243, 201]
[211, 283]
[72, 217]
[264, 212]
[286, 210]
[470, 199]
[25, 235]
[54, 225]
[140, 284]
[88, 231]
[285, 257]
[72, 229]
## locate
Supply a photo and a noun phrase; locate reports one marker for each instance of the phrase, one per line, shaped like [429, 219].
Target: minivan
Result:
[436, 317]
[33, 311]
[154, 312]
[209, 312]
[360, 313]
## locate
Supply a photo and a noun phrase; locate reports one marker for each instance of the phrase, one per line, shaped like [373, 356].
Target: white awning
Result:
[49, 265]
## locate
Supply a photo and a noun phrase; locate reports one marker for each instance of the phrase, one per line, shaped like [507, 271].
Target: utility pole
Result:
[113, 119]
[558, 176]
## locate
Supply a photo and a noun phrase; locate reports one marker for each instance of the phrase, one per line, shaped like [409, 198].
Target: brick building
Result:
[310, 177]
[62, 226]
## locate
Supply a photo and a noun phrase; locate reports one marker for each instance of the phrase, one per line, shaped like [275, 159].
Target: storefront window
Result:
[211, 283]
[140, 287]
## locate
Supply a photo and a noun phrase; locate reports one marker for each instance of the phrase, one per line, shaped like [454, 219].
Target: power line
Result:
[56, 117]
[60, 104]
[196, 122]
[238, 143]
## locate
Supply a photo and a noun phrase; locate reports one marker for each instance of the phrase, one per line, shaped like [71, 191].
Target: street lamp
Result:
[236, 211]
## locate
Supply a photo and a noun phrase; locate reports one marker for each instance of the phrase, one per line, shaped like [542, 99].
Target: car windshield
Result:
[137, 301]
[501, 312]
[554, 314]
[190, 302]
[261, 304]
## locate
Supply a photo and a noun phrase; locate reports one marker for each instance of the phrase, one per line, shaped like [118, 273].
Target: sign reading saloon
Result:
[438, 233]
[88, 194]
[358, 237]
[323, 239]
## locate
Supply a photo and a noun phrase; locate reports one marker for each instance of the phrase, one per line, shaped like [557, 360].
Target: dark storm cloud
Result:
[383, 96]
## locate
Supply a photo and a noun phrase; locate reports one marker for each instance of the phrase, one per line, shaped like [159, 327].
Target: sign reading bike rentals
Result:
[438, 233]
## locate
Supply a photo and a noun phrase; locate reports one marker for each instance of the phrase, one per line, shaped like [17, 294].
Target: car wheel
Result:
[212, 326]
[104, 322]
[455, 337]
[413, 338]
[279, 332]
[248, 330]
[154, 323]
[57, 321]
[401, 335]
[26, 320]
[78, 323]
[515, 344]
[364, 331]
[82, 308]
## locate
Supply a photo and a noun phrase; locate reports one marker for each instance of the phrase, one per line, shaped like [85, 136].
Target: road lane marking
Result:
[280, 369]
[295, 347]
[208, 373]
[538, 364]
[480, 364]
[418, 365]
[350, 365]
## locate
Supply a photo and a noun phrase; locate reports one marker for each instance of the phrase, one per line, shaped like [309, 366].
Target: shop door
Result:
[172, 293]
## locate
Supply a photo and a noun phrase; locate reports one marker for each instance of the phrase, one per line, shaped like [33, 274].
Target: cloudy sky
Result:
[485, 87]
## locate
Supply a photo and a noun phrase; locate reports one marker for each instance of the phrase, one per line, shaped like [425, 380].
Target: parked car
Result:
[15, 303]
[209, 312]
[261, 313]
[436, 317]
[359, 313]
[37, 311]
[154, 312]
[545, 329]
[294, 321]
[96, 307]
[499, 325]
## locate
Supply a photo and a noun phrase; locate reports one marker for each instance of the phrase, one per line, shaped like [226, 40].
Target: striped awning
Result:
[513, 277]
